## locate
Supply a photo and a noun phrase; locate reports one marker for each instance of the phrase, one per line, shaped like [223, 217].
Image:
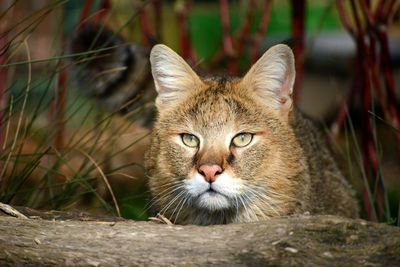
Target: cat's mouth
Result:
[211, 190]
[219, 195]
[213, 200]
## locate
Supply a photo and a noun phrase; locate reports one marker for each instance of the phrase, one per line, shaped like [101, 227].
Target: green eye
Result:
[190, 140]
[242, 139]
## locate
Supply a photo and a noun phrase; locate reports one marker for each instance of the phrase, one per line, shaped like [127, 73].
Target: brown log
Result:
[292, 241]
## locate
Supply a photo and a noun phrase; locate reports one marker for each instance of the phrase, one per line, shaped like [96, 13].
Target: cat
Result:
[116, 73]
[236, 150]
[286, 167]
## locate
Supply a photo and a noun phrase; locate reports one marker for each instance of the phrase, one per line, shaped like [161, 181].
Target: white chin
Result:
[213, 201]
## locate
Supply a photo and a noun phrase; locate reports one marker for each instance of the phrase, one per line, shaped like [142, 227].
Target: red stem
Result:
[86, 10]
[343, 112]
[157, 5]
[366, 136]
[365, 7]
[103, 11]
[392, 11]
[241, 38]
[387, 8]
[374, 69]
[298, 18]
[344, 18]
[368, 77]
[379, 8]
[57, 109]
[389, 80]
[144, 24]
[258, 36]
[185, 44]
[244, 32]
[368, 148]
[226, 36]
[356, 18]
[377, 26]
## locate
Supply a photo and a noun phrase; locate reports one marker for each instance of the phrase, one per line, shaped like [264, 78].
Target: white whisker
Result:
[265, 199]
[244, 206]
[183, 204]
[158, 197]
[165, 209]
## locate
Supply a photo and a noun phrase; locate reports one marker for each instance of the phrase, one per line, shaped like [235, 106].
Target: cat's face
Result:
[217, 146]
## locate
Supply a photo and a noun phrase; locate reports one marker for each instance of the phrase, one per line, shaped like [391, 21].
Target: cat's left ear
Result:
[272, 78]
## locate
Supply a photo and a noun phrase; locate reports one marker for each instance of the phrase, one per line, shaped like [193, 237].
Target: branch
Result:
[292, 241]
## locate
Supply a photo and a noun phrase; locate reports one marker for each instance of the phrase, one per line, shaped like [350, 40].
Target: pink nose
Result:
[210, 172]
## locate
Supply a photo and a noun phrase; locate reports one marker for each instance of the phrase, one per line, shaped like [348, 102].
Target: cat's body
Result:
[234, 150]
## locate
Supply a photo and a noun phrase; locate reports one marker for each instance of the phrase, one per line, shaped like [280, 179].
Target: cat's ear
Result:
[173, 77]
[272, 78]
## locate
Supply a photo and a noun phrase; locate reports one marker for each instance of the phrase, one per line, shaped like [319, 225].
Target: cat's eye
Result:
[190, 140]
[242, 139]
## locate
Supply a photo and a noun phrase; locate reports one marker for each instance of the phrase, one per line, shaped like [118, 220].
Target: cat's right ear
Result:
[173, 77]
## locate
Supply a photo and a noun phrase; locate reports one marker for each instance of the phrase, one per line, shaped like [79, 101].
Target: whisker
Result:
[273, 192]
[162, 194]
[263, 215]
[265, 199]
[252, 207]
[176, 208]
[165, 209]
[183, 204]
[236, 204]
[244, 206]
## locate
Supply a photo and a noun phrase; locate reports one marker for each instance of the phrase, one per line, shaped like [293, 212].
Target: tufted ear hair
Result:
[272, 78]
[173, 77]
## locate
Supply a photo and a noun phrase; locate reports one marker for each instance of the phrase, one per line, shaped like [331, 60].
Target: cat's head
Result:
[223, 146]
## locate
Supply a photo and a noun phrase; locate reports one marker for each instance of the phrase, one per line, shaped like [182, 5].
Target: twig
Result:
[7, 209]
[262, 26]
[161, 219]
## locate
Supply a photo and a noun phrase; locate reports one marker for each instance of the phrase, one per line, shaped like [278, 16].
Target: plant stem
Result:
[298, 20]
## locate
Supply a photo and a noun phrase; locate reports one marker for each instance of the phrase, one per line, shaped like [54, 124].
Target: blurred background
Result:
[65, 145]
